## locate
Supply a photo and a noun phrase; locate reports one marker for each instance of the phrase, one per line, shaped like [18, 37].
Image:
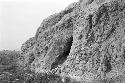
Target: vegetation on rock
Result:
[82, 44]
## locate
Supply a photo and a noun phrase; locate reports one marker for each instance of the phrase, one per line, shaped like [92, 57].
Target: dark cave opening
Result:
[107, 64]
[63, 55]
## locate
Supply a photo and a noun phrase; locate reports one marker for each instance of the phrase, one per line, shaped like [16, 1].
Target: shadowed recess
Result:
[63, 56]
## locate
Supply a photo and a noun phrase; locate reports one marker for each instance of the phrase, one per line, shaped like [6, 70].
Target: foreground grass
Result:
[12, 72]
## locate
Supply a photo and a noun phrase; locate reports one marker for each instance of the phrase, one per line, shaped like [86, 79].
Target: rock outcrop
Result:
[85, 42]
[52, 41]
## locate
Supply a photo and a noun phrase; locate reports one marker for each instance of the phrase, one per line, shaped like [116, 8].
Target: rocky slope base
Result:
[84, 42]
[12, 71]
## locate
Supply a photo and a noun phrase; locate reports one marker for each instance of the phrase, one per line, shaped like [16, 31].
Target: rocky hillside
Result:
[84, 42]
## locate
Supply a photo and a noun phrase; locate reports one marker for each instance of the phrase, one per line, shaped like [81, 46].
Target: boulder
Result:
[84, 42]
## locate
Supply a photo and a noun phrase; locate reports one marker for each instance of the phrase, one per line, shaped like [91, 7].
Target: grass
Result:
[12, 72]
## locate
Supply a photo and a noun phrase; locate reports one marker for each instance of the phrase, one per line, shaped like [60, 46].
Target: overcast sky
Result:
[19, 19]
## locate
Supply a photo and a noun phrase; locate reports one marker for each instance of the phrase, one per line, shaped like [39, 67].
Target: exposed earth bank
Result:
[85, 42]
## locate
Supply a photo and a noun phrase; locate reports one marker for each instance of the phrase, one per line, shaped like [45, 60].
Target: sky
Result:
[19, 19]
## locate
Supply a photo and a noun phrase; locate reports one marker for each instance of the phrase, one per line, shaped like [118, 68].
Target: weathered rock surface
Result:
[52, 41]
[85, 42]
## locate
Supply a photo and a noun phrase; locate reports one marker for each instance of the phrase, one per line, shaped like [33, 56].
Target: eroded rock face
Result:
[84, 42]
[52, 42]
[97, 45]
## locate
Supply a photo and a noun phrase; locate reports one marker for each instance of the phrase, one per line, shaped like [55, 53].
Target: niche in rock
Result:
[64, 54]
